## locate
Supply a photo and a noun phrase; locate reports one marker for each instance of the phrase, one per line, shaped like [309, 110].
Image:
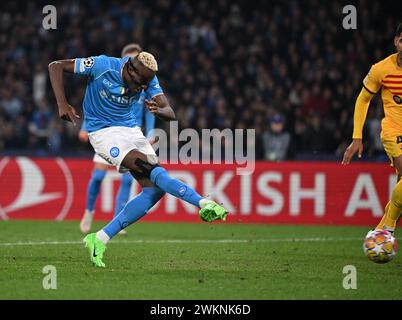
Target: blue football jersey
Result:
[107, 101]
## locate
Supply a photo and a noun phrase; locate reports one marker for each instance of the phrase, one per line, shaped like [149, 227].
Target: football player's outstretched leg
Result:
[155, 182]
[114, 86]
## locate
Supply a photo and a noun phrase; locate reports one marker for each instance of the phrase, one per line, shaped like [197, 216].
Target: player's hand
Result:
[83, 136]
[152, 106]
[355, 147]
[153, 140]
[68, 113]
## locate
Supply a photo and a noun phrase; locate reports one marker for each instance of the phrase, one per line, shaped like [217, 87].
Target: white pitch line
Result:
[182, 241]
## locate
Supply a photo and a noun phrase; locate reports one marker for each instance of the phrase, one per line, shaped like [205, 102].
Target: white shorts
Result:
[113, 143]
[98, 159]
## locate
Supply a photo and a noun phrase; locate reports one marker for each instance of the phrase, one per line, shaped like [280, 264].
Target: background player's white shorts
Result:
[113, 144]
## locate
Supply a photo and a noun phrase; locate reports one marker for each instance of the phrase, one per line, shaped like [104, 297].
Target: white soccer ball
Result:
[380, 246]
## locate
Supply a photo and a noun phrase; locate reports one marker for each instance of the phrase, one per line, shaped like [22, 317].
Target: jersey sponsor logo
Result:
[107, 82]
[114, 152]
[118, 99]
[397, 99]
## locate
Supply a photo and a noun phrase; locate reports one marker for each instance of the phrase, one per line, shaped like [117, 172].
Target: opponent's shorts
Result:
[393, 147]
[114, 143]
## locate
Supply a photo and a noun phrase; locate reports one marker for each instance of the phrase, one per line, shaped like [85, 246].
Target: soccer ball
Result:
[380, 246]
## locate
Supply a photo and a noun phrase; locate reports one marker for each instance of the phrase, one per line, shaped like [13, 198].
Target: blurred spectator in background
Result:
[39, 84]
[40, 125]
[225, 64]
[275, 139]
[316, 137]
[10, 104]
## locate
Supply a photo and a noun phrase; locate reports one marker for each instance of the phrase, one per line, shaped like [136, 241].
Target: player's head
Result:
[139, 71]
[277, 123]
[398, 38]
[131, 50]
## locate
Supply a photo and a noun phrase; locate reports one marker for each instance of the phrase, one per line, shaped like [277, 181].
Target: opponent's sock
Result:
[124, 192]
[134, 210]
[395, 208]
[161, 178]
[382, 222]
[94, 188]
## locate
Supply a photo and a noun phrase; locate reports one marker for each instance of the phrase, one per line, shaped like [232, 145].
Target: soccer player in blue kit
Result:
[114, 86]
[101, 165]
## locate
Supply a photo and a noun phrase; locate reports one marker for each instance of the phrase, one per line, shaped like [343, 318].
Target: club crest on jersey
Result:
[397, 99]
[114, 152]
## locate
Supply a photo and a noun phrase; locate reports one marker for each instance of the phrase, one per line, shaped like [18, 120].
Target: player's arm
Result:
[56, 70]
[361, 107]
[160, 107]
[149, 123]
[83, 134]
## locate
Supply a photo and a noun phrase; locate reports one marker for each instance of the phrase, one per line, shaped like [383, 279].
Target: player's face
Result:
[138, 76]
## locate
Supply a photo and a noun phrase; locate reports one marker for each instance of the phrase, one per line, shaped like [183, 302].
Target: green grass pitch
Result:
[193, 261]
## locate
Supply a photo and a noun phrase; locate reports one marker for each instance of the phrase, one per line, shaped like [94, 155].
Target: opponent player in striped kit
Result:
[386, 76]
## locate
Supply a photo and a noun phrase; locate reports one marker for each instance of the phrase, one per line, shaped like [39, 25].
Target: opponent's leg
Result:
[133, 211]
[148, 167]
[98, 174]
[382, 222]
[394, 210]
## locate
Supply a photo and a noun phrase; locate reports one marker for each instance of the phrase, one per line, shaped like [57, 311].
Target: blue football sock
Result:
[94, 187]
[124, 192]
[161, 178]
[134, 210]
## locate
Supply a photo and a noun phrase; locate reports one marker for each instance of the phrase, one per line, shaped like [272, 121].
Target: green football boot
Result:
[213, 211]
[96, 249]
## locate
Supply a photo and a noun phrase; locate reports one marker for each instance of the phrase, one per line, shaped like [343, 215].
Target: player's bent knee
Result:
[145, 167]
[398, 165]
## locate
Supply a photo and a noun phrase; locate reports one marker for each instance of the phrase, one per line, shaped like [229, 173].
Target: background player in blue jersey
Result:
[101, 165]
[114, 86]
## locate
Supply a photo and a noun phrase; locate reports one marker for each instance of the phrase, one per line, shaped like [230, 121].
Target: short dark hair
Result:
[398, 30]
[130, 48]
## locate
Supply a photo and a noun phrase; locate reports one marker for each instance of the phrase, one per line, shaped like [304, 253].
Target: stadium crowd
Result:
[223, 64]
